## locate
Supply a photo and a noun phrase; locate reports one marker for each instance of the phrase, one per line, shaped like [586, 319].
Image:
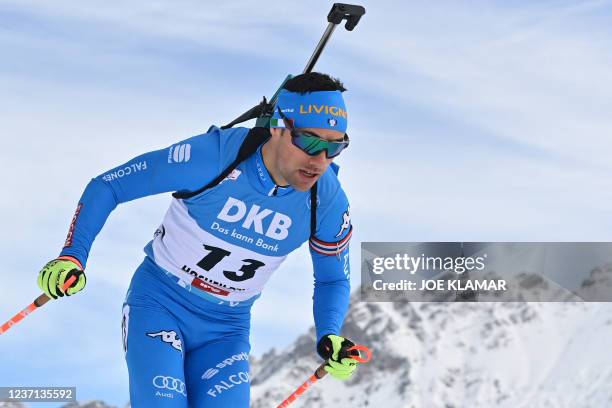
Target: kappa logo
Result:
[346, 222]
[235, 210]
[233, 175]
[332, 122]
[169, 337]
[180, 153]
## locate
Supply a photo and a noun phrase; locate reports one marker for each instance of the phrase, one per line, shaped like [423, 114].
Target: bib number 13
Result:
[216, 255]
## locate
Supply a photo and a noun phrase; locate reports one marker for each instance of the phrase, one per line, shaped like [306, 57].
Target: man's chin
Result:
[304, 186]
[302, 183]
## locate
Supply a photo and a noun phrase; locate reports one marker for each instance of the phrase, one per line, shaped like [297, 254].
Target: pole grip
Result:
[42, 299]
[320, 371]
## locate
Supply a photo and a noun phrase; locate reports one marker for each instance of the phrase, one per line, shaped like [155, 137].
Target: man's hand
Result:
[53, 277]
[334, 349]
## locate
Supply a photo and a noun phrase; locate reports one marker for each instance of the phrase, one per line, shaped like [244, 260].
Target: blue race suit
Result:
[186, 317]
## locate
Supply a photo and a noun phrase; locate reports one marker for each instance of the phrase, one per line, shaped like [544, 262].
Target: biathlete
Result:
[243, 199]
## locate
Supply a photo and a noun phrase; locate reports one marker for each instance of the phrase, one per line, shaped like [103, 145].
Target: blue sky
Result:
[485, 121]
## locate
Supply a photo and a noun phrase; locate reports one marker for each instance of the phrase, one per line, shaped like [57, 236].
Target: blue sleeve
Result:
[185, 166]
[329, 249]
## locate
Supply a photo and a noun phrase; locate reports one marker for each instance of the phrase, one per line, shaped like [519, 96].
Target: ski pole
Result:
[320, 373]
[38, 302]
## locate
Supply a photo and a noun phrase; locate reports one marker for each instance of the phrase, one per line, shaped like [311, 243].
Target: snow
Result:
[512, 354]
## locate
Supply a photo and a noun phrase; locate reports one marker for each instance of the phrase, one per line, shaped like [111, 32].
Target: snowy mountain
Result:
[598, 286]
[510, 354]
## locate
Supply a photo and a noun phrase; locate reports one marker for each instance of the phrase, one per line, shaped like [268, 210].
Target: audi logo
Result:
[170, 383]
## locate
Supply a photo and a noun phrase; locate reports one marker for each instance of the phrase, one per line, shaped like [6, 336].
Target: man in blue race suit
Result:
[243, 200]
